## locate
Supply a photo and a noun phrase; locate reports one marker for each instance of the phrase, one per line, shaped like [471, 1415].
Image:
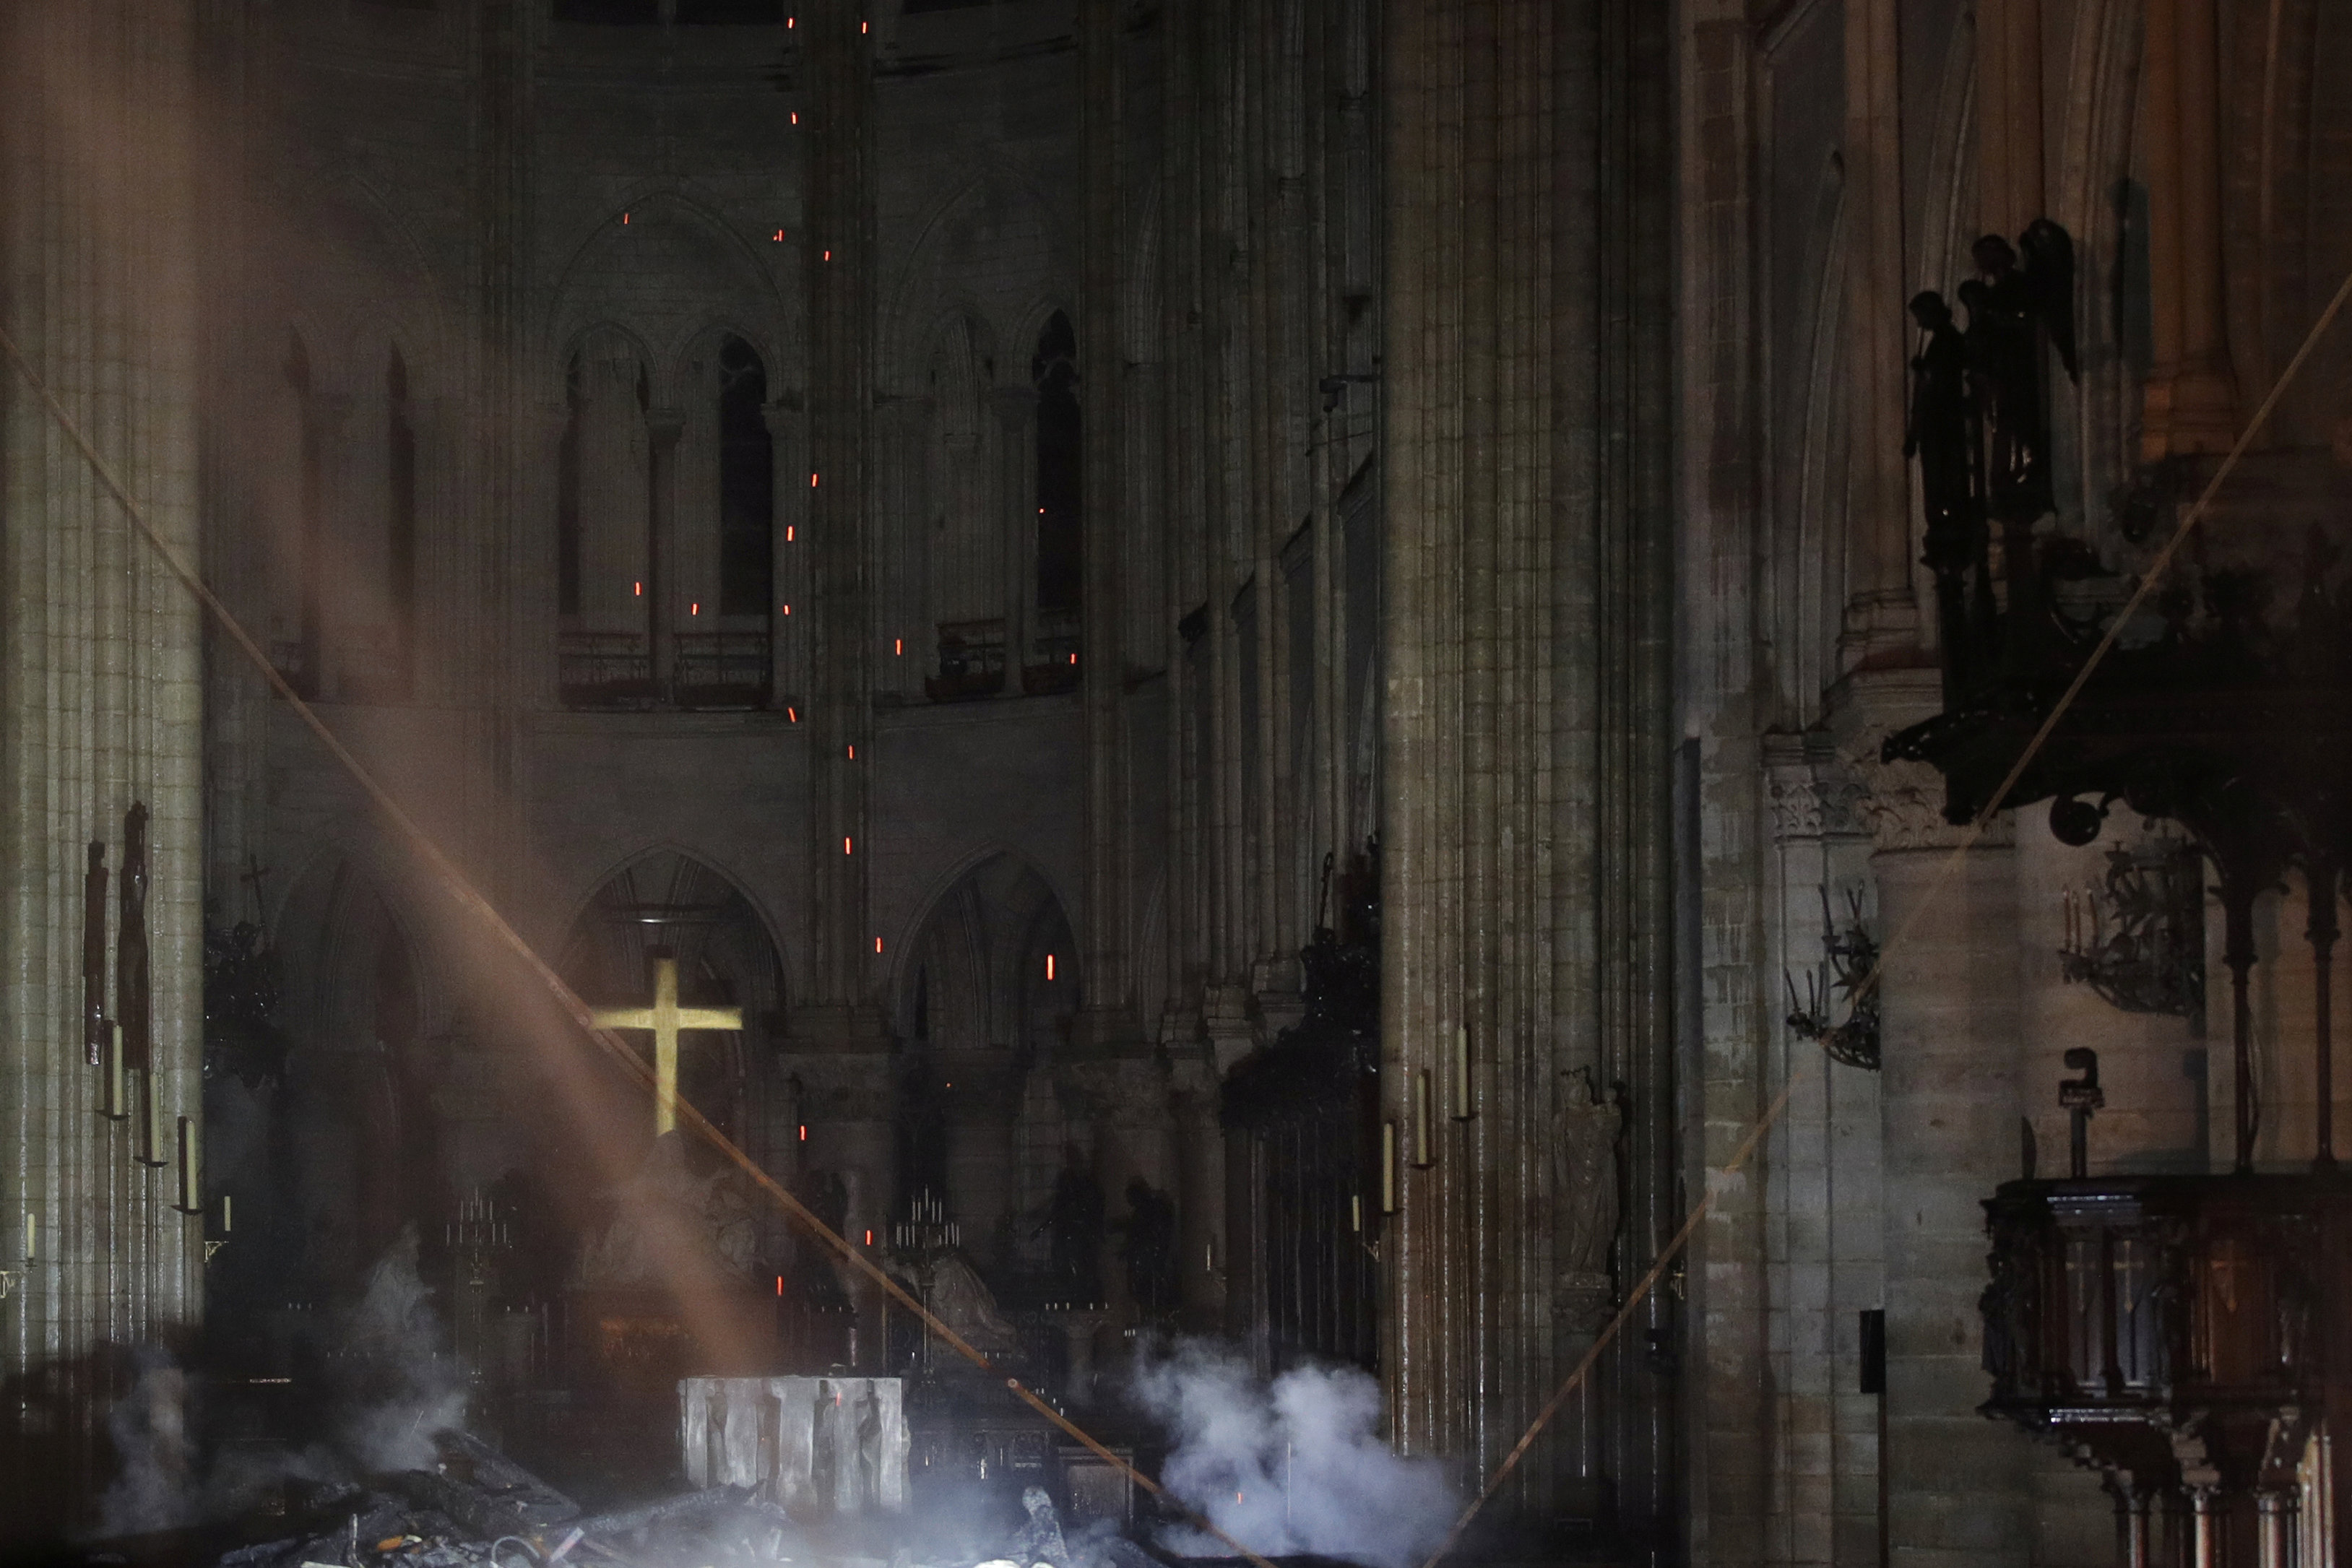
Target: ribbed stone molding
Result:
[100, 699]
[1526, 754]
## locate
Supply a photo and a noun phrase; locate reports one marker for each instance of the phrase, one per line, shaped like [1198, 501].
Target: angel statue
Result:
[2013, 312]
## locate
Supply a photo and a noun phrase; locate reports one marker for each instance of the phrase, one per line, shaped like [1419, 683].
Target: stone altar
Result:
[822, 1444]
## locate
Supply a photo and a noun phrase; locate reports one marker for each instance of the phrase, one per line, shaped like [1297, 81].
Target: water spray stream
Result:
[455, 884]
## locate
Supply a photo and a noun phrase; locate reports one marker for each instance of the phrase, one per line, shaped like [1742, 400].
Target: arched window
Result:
[400, 518]
[747, 481]
[1059, 472]
[606, 570]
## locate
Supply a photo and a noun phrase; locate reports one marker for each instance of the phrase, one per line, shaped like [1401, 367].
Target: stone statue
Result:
[1039, 1537]
[2012, 313]
[2049, 269]
[1149, 1248]
[945, 1281]
[1940, 435]
[1074, 1223]
[1937, 432]
[665, 1217]
[1588, 1207]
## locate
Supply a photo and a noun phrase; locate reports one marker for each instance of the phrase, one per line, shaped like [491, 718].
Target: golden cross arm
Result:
[665, 1019]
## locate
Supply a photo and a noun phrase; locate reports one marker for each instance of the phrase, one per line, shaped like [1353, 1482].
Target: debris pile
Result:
[476, 1509]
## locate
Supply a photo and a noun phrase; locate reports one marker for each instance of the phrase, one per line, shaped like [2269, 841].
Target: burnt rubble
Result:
[478, 1508]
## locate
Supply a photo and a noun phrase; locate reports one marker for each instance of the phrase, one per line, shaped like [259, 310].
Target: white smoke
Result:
[394, 1387]
[401, 1386]
[1296, 1467]
[153, 1489]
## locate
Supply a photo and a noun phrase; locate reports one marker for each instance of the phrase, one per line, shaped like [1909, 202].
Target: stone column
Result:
[788, 615]
[1016, 435]
[538, 595]
[326, 599]
[2009, 189]
[1106, 1003]
[840, 1043]
[1525, 873]
[664, 602]
[1882, 613]
[100, 694]
[2191, 395]
[1958, 1487]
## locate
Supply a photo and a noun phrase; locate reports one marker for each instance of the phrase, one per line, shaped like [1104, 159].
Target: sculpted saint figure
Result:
[1589, 1209]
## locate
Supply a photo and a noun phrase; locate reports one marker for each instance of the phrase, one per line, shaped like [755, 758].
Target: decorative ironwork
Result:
[1849, 960]
[720, 670]
[723, 670]
[971, 661]
[2139, 940]
[606, 669]
[1056, 666]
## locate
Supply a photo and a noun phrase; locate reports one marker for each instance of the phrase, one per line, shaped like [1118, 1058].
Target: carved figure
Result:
[2012, 312]
[1040, 1538]
[664, 1216]
[1938, 433]
[1589, 1208]
[2049, 269]
[956, 1294]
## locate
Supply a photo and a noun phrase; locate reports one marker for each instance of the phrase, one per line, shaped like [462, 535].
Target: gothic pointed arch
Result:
[665, 902]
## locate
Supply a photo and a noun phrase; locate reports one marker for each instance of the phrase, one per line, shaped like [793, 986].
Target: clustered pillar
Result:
[102, 708]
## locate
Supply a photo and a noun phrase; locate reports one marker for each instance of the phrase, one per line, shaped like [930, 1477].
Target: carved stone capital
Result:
[1808, 788]
[1901, 804]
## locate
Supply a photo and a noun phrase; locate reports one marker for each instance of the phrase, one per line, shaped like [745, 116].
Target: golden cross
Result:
[666, 1019]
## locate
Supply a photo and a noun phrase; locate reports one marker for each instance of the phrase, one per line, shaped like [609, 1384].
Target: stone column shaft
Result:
[2009, 159]
[2191, 392]
[1881, 612]
[1107, 1015]
[1524, 631]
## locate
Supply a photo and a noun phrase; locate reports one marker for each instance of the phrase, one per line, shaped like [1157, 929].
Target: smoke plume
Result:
[399, 1385]
[1296, 1467]
[394, 1385]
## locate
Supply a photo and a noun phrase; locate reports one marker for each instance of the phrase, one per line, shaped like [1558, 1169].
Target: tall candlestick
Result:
[1388, 1166]
[1424, 1152]
[191, 1174]
[113, 1104]
[1462, 1108]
